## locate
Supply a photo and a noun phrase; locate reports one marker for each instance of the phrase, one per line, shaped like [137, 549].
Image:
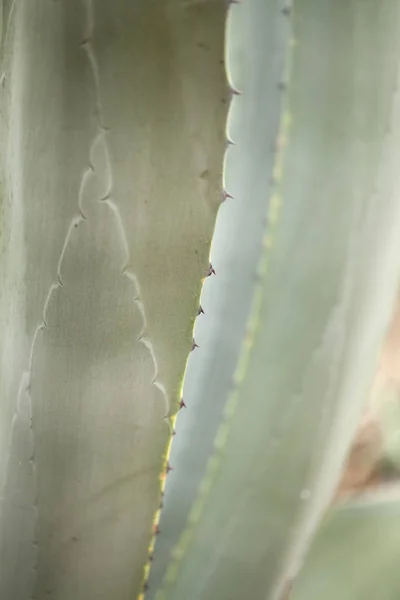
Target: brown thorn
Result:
[235, 92]
[226, 195]
[211, 271]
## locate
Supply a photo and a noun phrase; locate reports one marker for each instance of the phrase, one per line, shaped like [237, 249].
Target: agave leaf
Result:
[235, 253]
[112, 121]
[321, 311]
[356, 553]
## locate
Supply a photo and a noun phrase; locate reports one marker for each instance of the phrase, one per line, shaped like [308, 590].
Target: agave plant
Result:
[194, 179]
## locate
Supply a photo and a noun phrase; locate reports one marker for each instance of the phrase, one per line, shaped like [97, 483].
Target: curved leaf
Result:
[321, 311]
[112, 121]
[355, 554]
[235, 252]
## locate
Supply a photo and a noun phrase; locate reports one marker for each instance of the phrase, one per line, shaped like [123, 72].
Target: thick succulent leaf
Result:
[355, 555]
[112, 117]
[330, 280]
[235, 253]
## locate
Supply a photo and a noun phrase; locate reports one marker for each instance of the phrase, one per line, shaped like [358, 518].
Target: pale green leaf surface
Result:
[321, 313]
[111, 143]
[355, 555]
[235, 252]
